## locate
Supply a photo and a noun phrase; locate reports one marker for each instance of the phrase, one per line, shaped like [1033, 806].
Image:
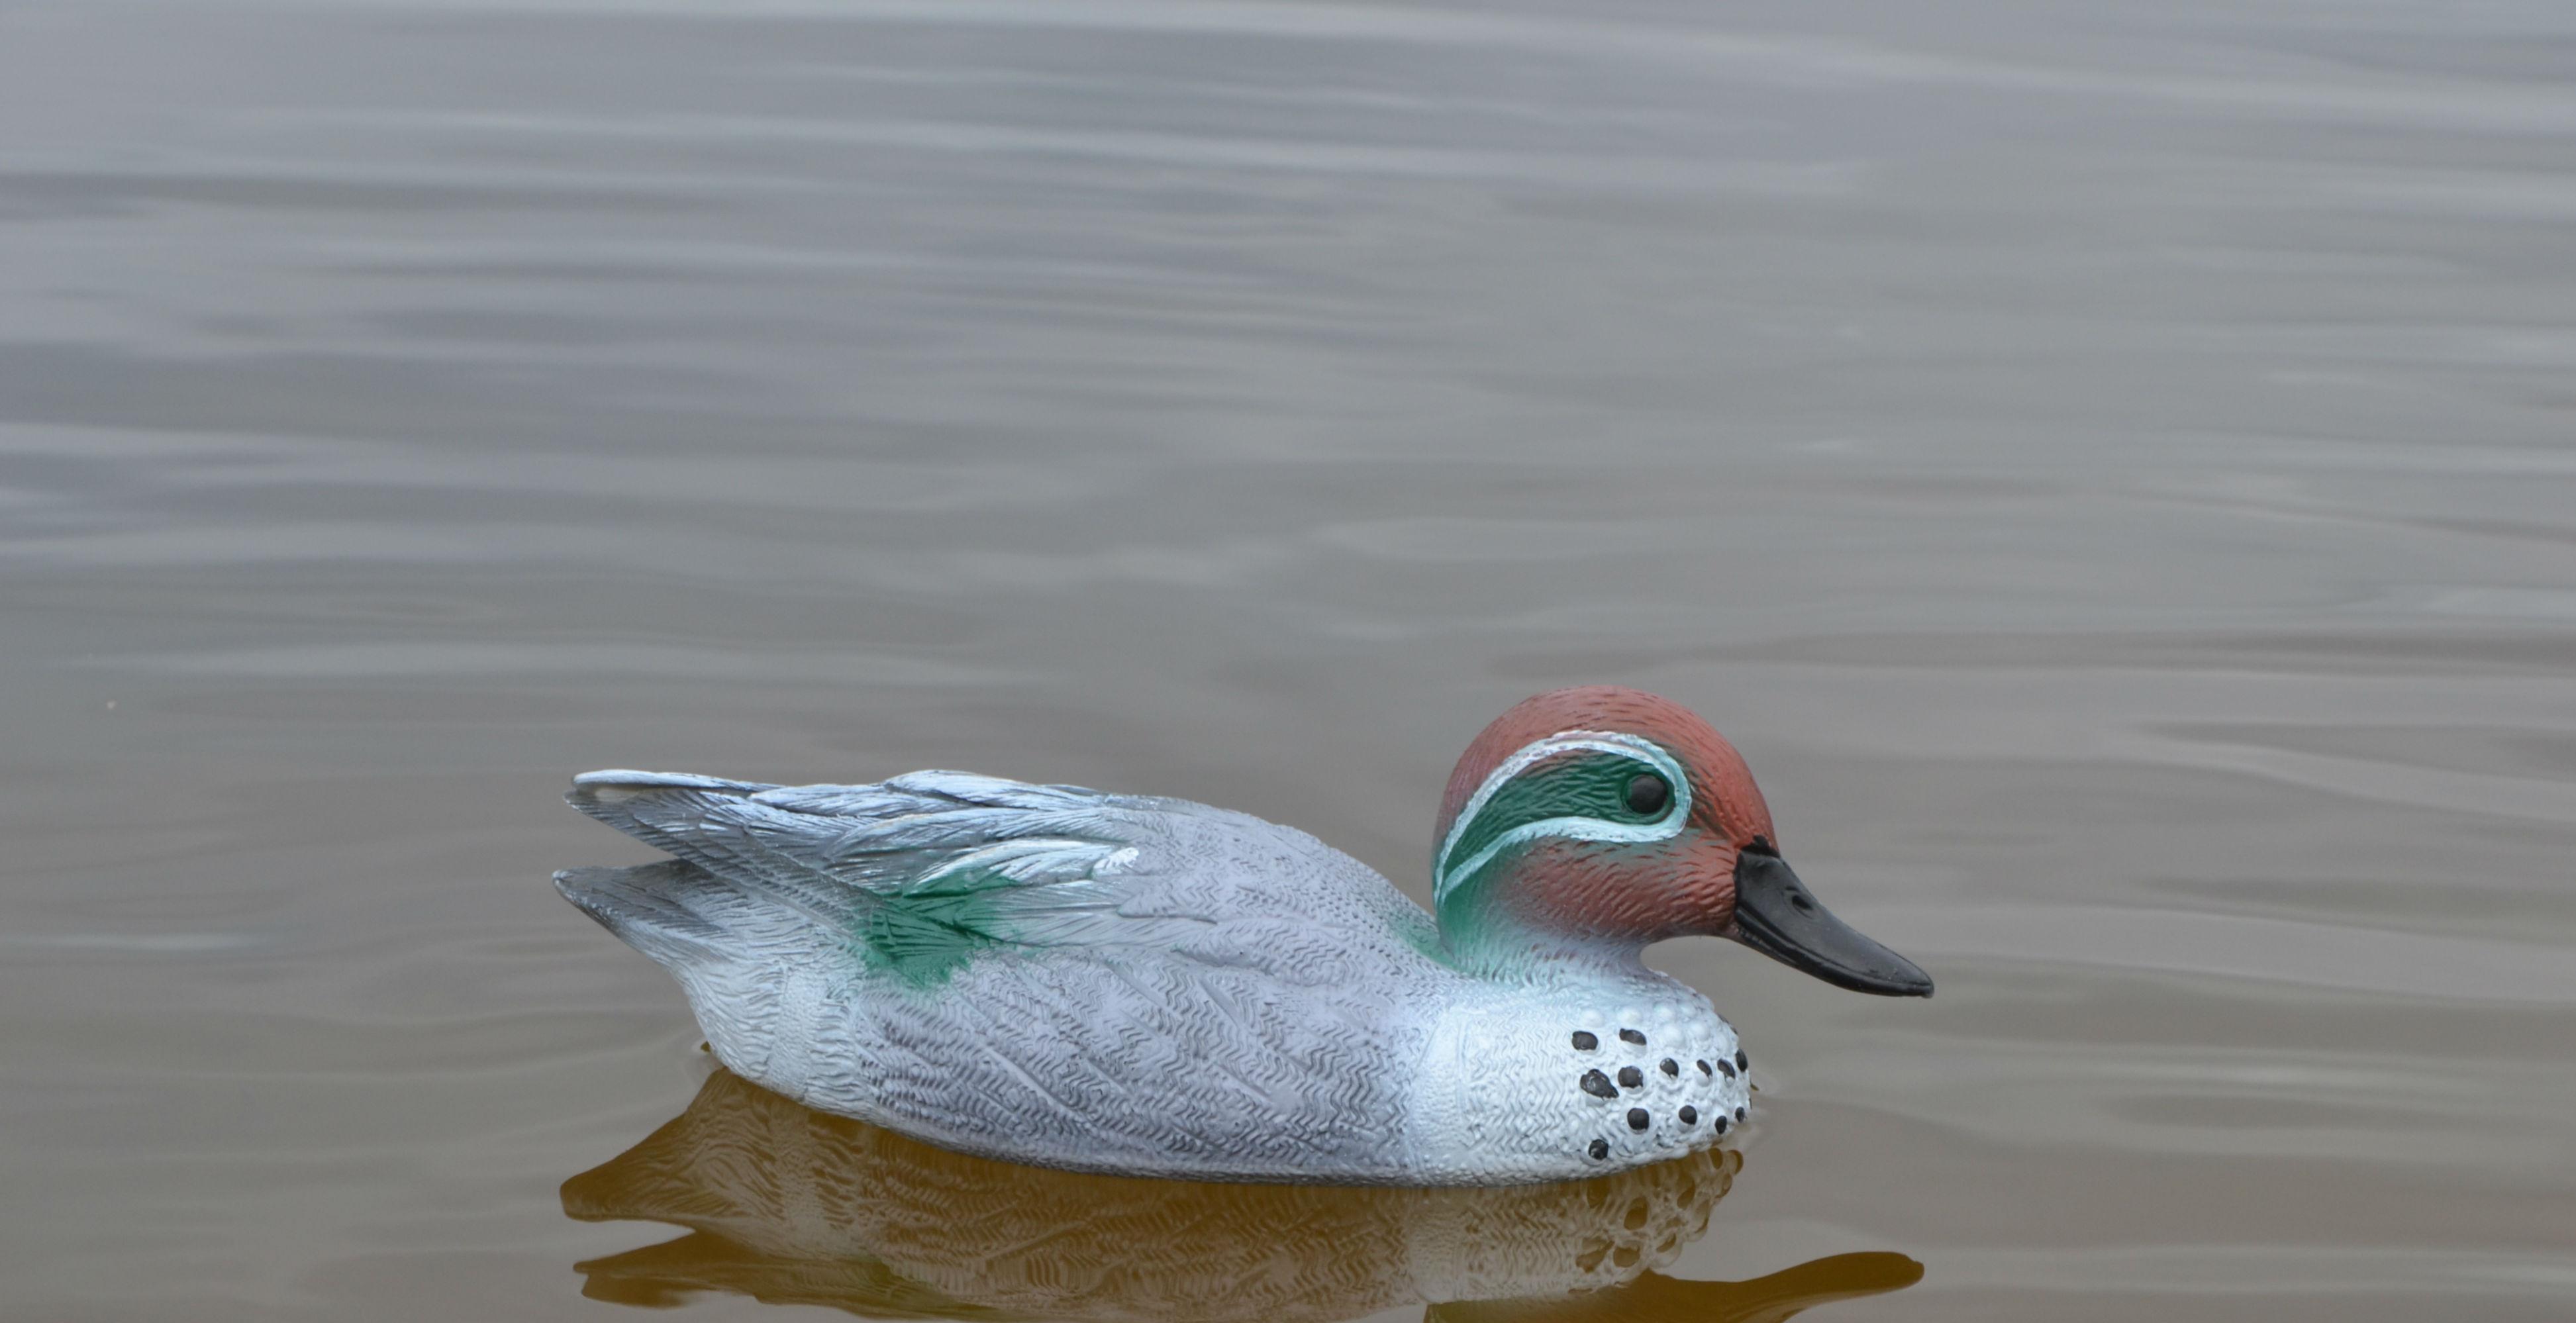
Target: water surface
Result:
[2109, 466]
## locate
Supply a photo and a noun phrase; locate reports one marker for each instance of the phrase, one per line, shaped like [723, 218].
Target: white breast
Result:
[1509, 1091]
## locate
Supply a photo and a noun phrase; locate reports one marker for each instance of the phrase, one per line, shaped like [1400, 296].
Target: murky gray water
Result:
[2111, 467]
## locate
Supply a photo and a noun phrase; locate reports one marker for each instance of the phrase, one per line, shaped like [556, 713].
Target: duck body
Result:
[1155, 987]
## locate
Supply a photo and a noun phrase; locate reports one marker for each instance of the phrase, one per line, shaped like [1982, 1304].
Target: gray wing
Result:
[1057, 975]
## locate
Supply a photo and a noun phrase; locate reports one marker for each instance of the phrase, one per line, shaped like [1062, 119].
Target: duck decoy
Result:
[1144, 986]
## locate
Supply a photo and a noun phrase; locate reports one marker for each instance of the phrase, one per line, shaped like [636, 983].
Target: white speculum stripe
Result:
[1448, 875]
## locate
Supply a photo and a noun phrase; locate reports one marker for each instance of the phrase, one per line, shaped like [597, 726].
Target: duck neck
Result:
[1520, 918]
[1489, 941]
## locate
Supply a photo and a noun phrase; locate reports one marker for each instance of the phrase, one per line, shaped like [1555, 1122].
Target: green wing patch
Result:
[929, 930]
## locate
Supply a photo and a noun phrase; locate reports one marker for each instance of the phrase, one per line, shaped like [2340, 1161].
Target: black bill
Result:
[1777, 916]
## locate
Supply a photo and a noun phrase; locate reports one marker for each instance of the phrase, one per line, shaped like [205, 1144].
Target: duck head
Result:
[1595, 820]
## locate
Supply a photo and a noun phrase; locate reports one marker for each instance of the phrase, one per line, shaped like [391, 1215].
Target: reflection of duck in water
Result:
[794, 1206]
[1155, 987]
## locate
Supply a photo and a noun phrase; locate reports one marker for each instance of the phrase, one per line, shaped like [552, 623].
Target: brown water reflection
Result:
[793, 1206]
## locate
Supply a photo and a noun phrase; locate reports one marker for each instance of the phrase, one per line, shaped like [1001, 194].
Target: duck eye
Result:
[1647, 794]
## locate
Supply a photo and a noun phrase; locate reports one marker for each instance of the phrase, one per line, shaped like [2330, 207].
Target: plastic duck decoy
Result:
[1155, 987]
[793, 1206]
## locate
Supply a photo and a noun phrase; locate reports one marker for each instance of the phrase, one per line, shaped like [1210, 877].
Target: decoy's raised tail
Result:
[1118, 983]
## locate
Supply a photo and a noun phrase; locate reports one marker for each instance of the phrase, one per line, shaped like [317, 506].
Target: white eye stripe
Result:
[1447, 876]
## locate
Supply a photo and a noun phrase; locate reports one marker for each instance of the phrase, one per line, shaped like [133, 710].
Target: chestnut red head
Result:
[1613, 816]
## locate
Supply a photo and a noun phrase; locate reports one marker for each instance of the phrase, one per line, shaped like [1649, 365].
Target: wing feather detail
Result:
[1041, 971]
[981, 858]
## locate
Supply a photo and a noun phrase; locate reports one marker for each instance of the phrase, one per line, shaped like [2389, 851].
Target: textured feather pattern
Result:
[1144, 983]
[1150, 986]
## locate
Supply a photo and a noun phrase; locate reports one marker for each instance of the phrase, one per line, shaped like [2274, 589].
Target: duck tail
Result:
[681, 915]
[732, 829]
[664, 809]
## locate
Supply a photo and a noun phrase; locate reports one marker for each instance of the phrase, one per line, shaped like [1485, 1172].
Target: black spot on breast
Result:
[1690, 1116]
[1739, 1113]
[1726, 1069]
[1600, 1149]
[1703, 1067]
[1721, 1125]
[1632, 1036]
[1741, 1061]
[1584, 1041]
[1671, 1067]
[1630, 1077]
[1637, 1118]
[1598, 1085]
